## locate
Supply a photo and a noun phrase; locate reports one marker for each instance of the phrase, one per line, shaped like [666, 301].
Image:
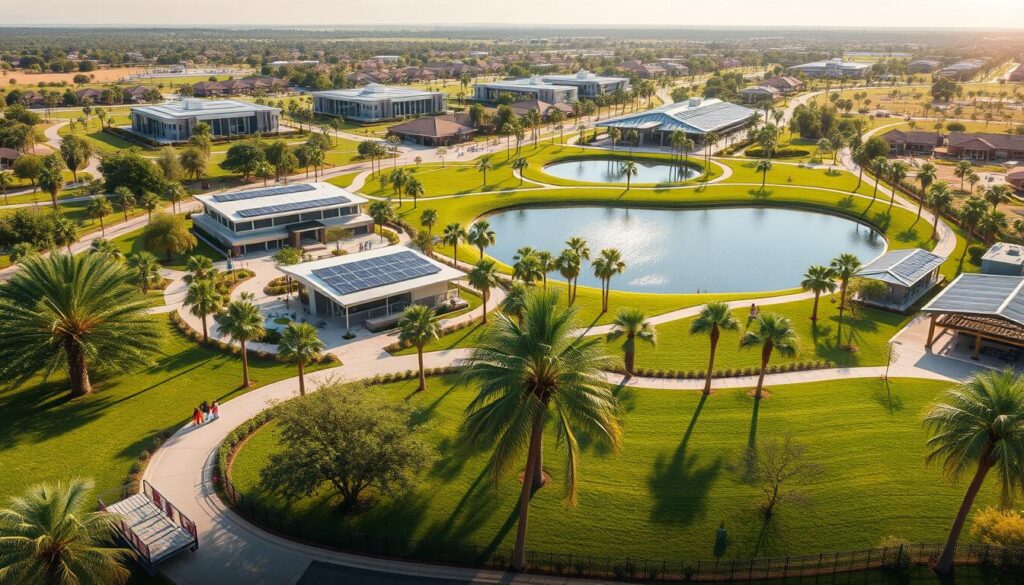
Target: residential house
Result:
[920, 142]
[985, 146]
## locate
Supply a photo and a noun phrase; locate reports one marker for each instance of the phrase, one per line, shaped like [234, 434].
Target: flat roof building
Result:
[907, 274]
[1003, 259]
[833, 68]
[759, 93]
[372, 288]
[175, 121]
[526, 88]
[962, 70]
[376, 102]
[589, 85]
[696, 117]
[982, 307]
[296, 215]
[923, 66]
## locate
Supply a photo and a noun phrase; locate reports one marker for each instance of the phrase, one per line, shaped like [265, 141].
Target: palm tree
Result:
[105, 247]
[630, 170]
[713, 319]
[962, 170]
[897, 172]
[51, 180]
[242, 321]
[514, 302]
[568, 265]
[763, 166]
[484, 277]
[547, 264]
[146, 267]
[973, 210]
[200, 268]
[818, 279]
[414, 189]
[860, 158]
[381, 212]
[481, 235]
[997, 194]
[6, 182]
[880, 167]
[483, 165]
[300, 344]
[519, 165]
[926, 176]
[65, 232]
[203, 299]
[99, 208]
[608, 263]
[418, 327]
[527, 376]
[940, 199]
[428, 219]
[633, 325]
[614, 134]
[453, 236]
[774, 333]
[50, 536]
[844, 267]
[75, 313]
[978, 426]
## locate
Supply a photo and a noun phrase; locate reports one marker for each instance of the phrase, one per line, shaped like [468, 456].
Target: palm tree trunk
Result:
[944, 565]
[245, 366]
[532, 460]
[483, 295]
[302, 379]
[711, 361]
[78, 372]
[423, 378]
[814, 311]
[630, 357]
[205, 335]
[766, 354]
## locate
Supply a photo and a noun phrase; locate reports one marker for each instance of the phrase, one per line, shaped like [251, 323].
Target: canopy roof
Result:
[695, 116]
[987, 295]
[902, 267]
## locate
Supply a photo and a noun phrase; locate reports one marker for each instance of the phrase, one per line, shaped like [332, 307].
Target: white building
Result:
[833, 68]
[372, 288]
[175, 121]
[589, 85]
[296, 215]
[527, 88]
[696, 117]
[377, 102]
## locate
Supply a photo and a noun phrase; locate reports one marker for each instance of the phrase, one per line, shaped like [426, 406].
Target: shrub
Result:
[999, 527]
[758, 152]
[897, 553]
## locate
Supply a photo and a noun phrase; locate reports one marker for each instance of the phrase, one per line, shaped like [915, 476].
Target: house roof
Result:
[1015, 173]
[373, 92]
[238, 205]
[902, 267]
[202, 109]
[9, 153]
[782, 82]
[989, 139]
[583, 76]
[695, 116]
[760, 89]
[912, 137]
[432, 126]
[987, 295]
[525, 82]
[522, 107]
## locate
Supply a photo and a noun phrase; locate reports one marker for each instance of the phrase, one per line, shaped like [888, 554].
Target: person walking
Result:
[197, 417]
[205, 408]
[754, 314]
[215, 410]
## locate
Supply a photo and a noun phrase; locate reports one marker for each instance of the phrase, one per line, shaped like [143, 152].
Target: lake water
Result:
[724, 249]
[603, 170]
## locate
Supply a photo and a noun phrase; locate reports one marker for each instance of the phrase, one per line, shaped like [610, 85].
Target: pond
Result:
[726, 249]
[609, 170]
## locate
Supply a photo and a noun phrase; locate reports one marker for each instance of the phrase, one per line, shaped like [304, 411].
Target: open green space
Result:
[678, 476]
[132, 242]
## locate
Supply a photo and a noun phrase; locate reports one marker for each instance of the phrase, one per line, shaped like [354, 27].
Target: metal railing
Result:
[897, 558]
[173, 513]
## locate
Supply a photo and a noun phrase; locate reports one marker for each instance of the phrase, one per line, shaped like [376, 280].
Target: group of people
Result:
[368, 245]
[205, 412]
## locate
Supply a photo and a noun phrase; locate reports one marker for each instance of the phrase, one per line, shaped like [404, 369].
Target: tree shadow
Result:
[884, 397]
[846, 202]
[760, 193]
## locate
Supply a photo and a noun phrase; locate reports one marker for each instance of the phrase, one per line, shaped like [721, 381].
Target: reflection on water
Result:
[682, 250]
[602, 170]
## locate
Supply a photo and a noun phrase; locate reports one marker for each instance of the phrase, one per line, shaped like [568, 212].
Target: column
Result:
[931, 331]
[977, 346]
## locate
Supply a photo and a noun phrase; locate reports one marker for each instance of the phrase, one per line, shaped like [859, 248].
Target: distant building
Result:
[696, 117]
[759, 93]
[1003, 259]
[1017, 75]
[923, 66]
[526, 88]
[589, 85]
[1015, 177]
[912, 142]
[377, 102]
[523, 108]
[985, 146]
[7, 157]
[435, 130]
[786, 84]
[386, 58]
[833, 68]
[175, 121]
[907, 274]
[279, 64]
[962, 70]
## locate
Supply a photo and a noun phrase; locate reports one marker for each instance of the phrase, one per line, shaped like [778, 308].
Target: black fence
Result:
[896, 559]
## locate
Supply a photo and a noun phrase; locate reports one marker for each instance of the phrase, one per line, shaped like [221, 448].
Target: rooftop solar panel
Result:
[268, 192]
[297, 206]
[373, 272]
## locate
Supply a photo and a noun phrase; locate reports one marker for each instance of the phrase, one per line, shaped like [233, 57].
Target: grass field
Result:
[664, 495]
[132, 242]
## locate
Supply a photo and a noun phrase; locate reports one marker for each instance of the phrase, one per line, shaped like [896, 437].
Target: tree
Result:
[763, 166]
[976, 427]
[203, 300]
[774, 333]
[971, 213]
[242, 321]
[418, 327]
[844, 267]
[514, 302]
[51, 179]
[128, 168]
[300, 344]
[632, 324]
[245, 158]
[193, 162]
[484, 277]
[76, 153]
[50, 536]
[349, 438]
[414, 189]
[453, 236]
[149, 201]
[28, 167]
[629, 170]
[897, 172]
[581, 250]
[74, 313]
[428, 219]
[169, 234]
[170, 164]
[6, 182]
[775, 466]
[481, 235]
[125, 200]
[962, 170]
[145, 267]
[940, 199]
[65, 232]
[713, 319]
[926, 175]
[608, 263]
[201, 267]
[519, 165]
[381, 212]
[818, 279]
[997, 194]
[543, 371]
[546, 263]
[483, 165]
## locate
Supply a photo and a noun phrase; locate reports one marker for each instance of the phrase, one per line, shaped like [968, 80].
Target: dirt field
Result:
[102, 75]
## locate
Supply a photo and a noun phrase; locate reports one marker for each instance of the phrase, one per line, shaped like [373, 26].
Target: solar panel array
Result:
[373, 272]
[296, 206]
[257, 193]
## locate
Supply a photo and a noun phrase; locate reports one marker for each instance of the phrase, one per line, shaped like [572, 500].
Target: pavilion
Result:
[987, 308]
[907, 275]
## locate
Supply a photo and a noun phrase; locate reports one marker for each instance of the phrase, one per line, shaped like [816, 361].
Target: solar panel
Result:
[373, 272]
[268, 192]
[296, 206]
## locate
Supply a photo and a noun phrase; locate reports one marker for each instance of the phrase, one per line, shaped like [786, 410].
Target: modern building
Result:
[372, 288]
[833, 68]
[1015, 177]
[589, 85]
[923, 66]
[985, 146]
[435, 130]
[175, 121]
[525, 89]
[756, 94]
[376, 102]
[1003, 259]
[962, 70]
[987, 310]
[907, 274]
[921, 142]
[295, 215]
[696, 117]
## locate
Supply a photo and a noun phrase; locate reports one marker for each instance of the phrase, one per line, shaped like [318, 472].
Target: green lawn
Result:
[664, 495]
[132, 242]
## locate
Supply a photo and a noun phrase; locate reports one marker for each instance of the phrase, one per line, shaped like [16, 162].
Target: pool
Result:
[725, 249]
[609, 170]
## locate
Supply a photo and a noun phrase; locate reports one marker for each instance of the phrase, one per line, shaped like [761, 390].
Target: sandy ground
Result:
[102, 75]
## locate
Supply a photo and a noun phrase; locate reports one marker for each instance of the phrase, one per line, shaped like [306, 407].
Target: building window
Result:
[243, 226]
[332, 212]
[262, 223]
[312, 216]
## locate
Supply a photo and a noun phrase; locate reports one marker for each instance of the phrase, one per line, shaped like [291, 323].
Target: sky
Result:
[863, 13]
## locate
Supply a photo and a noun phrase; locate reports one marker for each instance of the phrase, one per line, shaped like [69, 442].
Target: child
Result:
[197, 417]
[215, 410]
